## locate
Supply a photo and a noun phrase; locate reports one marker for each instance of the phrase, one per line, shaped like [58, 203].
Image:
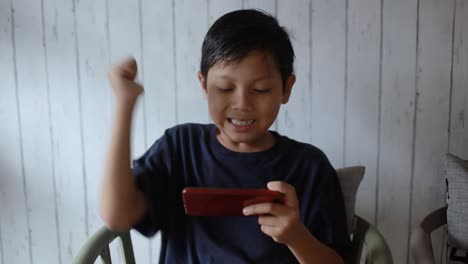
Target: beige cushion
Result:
[456, 173]
[350, 178]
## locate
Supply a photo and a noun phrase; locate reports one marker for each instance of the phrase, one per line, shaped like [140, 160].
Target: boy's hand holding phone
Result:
[122, 78]
[280, 221]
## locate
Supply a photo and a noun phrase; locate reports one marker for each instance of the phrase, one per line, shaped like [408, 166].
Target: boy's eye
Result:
[262, 90]
[225, 90]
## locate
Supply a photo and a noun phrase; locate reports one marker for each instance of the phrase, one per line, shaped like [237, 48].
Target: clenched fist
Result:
[122, 79]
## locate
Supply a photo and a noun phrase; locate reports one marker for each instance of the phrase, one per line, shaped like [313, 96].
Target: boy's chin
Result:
[253, 139]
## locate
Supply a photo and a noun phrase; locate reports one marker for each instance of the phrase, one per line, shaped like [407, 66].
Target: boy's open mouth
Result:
[241, 123]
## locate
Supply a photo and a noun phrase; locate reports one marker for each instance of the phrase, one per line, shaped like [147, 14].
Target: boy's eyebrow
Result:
[261, 78]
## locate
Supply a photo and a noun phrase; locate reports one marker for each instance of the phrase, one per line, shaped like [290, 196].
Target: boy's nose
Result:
[242, 101]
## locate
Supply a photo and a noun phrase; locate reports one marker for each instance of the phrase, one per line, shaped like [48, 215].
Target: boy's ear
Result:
[202, 81]
[288, 88]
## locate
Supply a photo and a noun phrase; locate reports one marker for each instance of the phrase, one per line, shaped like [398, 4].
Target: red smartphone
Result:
[225, 201]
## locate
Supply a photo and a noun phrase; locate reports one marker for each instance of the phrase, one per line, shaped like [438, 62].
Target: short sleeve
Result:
[151, 172]
[327, 221]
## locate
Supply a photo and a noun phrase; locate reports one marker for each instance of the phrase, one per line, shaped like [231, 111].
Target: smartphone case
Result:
[225, 201]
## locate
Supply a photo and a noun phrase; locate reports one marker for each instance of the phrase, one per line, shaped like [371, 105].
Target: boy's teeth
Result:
[241, 123]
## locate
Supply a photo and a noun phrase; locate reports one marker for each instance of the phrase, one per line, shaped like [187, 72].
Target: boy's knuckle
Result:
[281, 233]
[292, 188]
[270, 207]
[261, 220]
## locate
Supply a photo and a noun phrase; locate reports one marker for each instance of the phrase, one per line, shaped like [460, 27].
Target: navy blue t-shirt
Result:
[190, 155]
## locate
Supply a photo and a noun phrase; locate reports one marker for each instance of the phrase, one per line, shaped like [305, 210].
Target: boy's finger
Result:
[127, 68]
[268, 220]
[272, 231]
[287, 189]
[264, 208]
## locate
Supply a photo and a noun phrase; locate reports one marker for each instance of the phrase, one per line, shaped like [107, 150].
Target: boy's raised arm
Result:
[122, 204]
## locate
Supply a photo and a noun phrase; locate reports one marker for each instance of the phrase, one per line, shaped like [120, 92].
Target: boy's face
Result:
[244, 98]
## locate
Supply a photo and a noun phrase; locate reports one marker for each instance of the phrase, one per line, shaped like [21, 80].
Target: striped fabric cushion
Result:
[456, 173]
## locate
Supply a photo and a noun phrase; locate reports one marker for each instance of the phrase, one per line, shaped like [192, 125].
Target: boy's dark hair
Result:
[237, 33]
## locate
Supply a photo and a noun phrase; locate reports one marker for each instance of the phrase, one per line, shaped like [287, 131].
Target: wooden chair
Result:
[420, 243]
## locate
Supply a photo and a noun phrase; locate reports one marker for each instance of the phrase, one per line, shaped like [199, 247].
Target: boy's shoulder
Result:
[303, 149]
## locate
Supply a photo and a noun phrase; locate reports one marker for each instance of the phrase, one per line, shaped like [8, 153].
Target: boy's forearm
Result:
[307, 249]
[118, 191]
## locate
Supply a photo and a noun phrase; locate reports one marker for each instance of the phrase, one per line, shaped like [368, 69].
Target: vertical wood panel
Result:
[459, 106]
[265, 5]
[14, 219]
[294, 119]
[397, 117]
[218, 8]
[190, 28]
[432, 110]
[159, 77]
[328, 75]
[95, 96]
[159, 67]
[125, 40]
[35, 131]
[362, 104]
[65, 119]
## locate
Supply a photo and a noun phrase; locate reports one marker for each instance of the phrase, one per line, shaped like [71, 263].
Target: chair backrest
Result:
[98, 245]
[377, 250]
[350, 178]
[420, 242]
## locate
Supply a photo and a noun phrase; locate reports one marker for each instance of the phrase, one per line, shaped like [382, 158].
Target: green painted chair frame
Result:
[377, 250]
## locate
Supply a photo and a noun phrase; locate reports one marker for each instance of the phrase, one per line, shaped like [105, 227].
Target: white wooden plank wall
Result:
[328, 77]
[191, 24]
[379, 83]
[14, 219]
[459, 104]
[363, 74]
[399, 43]
[92, 51]
[297, 20]
[65, 125]
[36, 133]
[159, 80]
[434, 61]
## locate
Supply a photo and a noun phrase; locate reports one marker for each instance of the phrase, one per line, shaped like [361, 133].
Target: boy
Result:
[246, 74]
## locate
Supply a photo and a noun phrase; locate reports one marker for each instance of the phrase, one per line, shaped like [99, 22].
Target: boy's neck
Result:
[264, 143]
